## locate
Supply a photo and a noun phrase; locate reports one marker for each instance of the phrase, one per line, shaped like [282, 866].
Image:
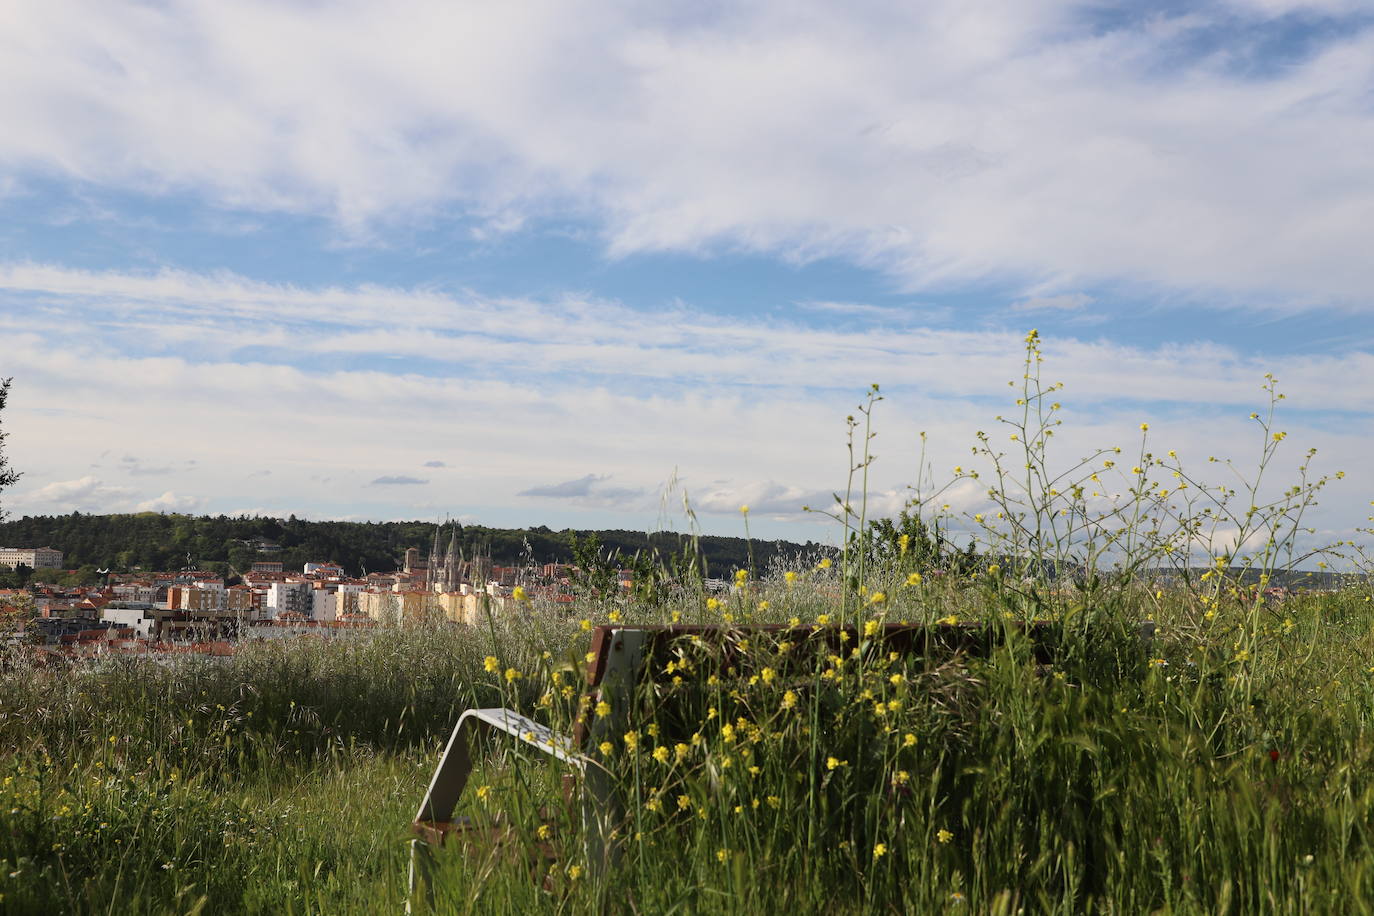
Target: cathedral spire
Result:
[451, 562]
[431, 571]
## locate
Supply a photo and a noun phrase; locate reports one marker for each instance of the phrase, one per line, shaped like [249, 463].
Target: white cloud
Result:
[591, 490]
[89, 494]
[859, 309]
[759, 418]
[601, 342]
[939, 140]
[1064, 302]
[170, 502]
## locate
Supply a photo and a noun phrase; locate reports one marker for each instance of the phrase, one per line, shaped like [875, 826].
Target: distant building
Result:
[190, 598]
[32, 557]
[140, 592]
[325, 605]
[290, 598]
[398, 607]
[238, 599]
[268, 566]
[135, 615]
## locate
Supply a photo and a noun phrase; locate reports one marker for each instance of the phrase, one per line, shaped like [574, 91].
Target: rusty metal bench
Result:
[623, 657]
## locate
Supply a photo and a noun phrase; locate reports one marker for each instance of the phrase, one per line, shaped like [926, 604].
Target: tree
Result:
[594, 569]
[7, 476]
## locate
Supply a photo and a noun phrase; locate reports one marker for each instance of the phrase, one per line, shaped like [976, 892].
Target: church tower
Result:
[451, 560]
[432, 572]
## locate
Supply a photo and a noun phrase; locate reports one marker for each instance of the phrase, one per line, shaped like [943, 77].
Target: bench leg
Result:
[421, 879]
[602, 815]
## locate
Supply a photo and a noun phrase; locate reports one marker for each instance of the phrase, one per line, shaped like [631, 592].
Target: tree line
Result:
[227, 544]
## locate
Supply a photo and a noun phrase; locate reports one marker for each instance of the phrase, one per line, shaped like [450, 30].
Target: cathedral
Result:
[447, 571]
[446, 574]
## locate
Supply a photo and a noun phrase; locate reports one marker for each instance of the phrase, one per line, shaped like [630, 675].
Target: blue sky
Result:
[526, 265]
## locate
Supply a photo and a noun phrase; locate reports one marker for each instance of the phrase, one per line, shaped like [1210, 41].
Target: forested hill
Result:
[155, 541]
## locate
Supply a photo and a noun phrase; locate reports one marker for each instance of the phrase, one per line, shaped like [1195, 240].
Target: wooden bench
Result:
[622, 658]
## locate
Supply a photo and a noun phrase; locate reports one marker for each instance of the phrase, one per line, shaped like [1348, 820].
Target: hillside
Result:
[150, 540]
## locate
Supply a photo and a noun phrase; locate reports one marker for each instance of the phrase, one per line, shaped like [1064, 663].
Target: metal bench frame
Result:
[618, 654]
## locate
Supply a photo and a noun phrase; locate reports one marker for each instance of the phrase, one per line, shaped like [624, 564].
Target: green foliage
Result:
[155, 541]
[8, 476]
[284, 778]
[909, 544]
[1218, 761]
[597, 571]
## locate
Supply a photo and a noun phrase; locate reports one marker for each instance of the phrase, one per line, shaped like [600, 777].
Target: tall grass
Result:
[1222, 764]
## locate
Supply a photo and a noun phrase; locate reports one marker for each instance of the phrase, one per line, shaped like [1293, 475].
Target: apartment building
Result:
[290, 598]
[32, 557]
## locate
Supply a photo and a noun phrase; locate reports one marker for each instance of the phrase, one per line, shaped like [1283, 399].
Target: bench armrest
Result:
[451, 776]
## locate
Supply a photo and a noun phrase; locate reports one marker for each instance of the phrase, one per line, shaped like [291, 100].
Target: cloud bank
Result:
[514, 392]
[1217, 150]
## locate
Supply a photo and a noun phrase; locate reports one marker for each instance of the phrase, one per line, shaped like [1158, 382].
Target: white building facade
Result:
[32, 557]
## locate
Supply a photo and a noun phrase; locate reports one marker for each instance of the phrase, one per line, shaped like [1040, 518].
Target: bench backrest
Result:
[623, 657]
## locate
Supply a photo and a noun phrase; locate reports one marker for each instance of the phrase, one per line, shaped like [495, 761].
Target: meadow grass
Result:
[1223, 764]
[1127, 779]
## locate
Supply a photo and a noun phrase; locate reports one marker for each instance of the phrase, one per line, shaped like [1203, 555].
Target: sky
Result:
[569, 264]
